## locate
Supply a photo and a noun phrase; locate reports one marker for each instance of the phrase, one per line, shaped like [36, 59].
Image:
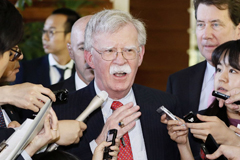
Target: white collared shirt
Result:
[135, 134]
[54, 74]
[78, 82]
[207, 87]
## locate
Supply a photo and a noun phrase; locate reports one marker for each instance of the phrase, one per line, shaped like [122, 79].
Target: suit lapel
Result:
[95, 121]
[195, 86]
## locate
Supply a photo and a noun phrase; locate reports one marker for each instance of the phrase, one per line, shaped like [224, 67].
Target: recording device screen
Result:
[191, 118]
[111, 136]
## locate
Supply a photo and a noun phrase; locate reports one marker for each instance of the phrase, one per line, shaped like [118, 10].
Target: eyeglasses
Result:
[111, 54]
[51, 32]
[17, 54]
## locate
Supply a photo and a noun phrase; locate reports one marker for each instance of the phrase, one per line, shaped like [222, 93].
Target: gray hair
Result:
[110, 21]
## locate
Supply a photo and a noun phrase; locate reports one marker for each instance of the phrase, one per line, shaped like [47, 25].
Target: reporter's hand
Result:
[127, 114]
[70, 131]
[26, 96]
[177, 131]
[214, 126]
[14, 124]
[48, 134]
[230, 152]
[229, 103]
[98, 152]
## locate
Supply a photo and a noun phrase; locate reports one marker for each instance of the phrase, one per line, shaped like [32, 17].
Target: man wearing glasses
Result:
[114, 47]
[57, 65]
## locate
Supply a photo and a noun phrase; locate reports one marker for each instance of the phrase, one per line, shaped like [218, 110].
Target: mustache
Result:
[120, 69]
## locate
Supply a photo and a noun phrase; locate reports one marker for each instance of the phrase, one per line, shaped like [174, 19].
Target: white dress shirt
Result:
[135, 134]
[207, 87]
[54, 74]
[78, 82]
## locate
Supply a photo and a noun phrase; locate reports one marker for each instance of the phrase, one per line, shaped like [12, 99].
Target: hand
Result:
[98, 152]
[235, 129]
[230, 152]
[229, 103]
[48, 134]
[214, 126]
[13, 124]
[26, 96]
[127, 114]
[176, 129]
[70, 131]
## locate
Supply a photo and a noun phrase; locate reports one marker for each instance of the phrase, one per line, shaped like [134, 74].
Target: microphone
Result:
[96, 102]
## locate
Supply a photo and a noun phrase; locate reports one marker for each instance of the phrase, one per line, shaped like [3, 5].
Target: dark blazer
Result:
[68, 84]
[35, 71]
[5, 133]
[11, 111]
[157, 141]
[187, 85]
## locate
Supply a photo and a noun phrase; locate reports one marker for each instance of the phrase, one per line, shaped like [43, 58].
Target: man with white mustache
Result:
[217, 21]
[114, 48]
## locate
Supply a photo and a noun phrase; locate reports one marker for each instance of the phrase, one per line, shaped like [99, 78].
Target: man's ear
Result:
[89, 58]
[141, 54]
[70, 51]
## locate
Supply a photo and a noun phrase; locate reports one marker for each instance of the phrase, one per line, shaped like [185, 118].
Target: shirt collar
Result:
[210, 70]
[78, 82]
[52, 63]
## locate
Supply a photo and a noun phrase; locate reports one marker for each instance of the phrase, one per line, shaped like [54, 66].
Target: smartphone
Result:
[210, 146]
[161, 110]
[191, 118]
[111, 136]
[223, 96]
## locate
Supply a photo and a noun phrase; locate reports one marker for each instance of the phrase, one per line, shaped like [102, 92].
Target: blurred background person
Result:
[57, 64]
[84, 73]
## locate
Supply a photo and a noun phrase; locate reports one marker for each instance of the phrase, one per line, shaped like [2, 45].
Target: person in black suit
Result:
[84, 73]
[57, 64]
[24, 95]
[114, 48]
[217, 22]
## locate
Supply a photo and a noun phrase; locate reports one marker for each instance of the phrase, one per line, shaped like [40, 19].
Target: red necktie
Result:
[2, 122]
[125, 152]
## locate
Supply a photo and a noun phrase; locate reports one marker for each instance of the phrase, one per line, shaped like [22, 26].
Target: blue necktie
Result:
[61, 72]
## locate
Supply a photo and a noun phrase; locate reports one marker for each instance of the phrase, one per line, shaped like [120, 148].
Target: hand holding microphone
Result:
[96, 102]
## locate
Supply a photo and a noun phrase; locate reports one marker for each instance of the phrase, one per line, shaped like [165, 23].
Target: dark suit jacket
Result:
[187, 85]
[157, 141]
[35, 71]
[68, 84]
[5, 133]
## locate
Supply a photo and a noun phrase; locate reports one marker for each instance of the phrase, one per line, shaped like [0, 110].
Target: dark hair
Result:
[233, 7]
[215, 110]
[11, 26]
[54, 155]
[72, 17]
[230, 49]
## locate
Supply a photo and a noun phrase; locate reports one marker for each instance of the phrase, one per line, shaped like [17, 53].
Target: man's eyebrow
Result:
[79, 44]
